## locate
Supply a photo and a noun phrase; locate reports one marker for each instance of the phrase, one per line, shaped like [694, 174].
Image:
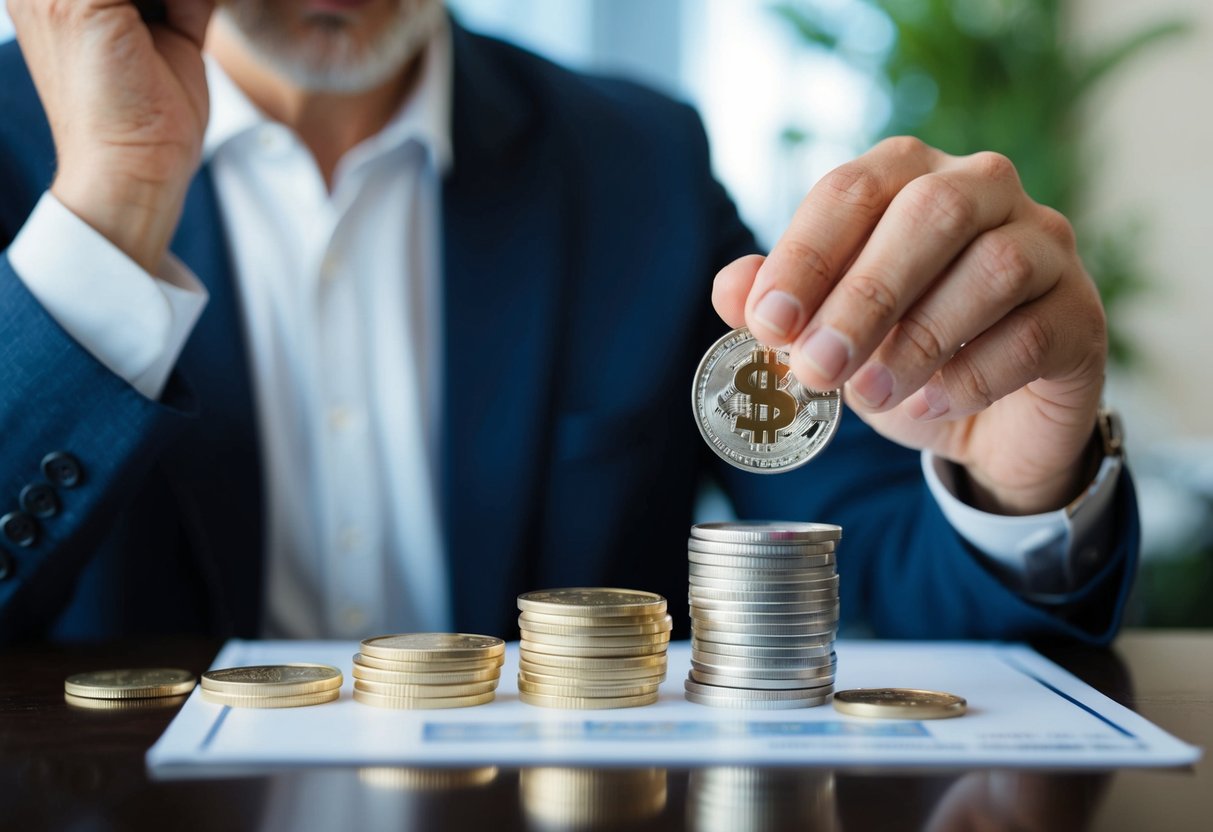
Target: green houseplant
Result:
[969, 75]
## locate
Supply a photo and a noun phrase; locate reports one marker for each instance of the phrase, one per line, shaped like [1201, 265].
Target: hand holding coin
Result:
[953, 310]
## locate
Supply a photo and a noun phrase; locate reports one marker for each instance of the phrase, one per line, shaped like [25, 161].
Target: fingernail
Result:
[778, 311]
[935, 400]
[828, 351]
[873, 385]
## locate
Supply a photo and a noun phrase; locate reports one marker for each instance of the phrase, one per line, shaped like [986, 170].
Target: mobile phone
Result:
[152, 11]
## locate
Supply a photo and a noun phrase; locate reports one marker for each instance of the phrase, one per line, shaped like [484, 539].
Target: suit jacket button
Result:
[7, 567]
[62, 469]
[19, 528]
[40, 500]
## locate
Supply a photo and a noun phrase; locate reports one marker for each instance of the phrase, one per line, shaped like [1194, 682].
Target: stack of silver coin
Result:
[764, 614]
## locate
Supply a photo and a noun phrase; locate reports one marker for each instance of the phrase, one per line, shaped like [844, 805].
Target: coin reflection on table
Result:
[426, 779]
[150, 704]
[735, 799]
[584, 798]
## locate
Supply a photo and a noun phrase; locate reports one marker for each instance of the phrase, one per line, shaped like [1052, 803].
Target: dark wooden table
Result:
[65, 768]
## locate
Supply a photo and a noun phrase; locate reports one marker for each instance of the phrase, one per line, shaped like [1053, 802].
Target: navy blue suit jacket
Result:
[582, 228]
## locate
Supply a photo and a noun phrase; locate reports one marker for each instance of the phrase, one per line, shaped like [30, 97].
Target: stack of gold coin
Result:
[272, 685]
[428, 670]
[128, 689]
[592, 648]
[764, 613]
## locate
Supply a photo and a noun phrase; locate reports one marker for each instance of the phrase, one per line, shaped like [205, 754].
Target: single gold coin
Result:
[415, 647]
[142, 704]
[419, 703]
[571, 620]
[425, 691]
[462, 677]
[292, 679]
[899, 703]
[597, 627]
[302, 700]
[532, 648]
[431, 665]
[591, 663]
[592, 602]
[559, 676]
[573, 691]
[136, 683]
[585, 703]
[651, 640]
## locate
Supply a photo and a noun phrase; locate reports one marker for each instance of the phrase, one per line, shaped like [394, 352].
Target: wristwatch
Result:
[1110, 437]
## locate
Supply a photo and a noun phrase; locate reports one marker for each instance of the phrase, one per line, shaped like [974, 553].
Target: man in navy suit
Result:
[362, 322]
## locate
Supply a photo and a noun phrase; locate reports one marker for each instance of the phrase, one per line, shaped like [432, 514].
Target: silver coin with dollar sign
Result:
[754, 413]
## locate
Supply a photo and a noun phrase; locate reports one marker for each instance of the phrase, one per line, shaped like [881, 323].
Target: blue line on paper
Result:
[1071, 699]
[211, 734]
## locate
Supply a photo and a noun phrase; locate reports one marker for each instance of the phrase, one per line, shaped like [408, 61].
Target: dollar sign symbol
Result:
[770, 409]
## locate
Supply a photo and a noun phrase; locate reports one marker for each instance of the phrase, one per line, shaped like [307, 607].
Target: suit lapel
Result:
[505, 232]
[219, 457]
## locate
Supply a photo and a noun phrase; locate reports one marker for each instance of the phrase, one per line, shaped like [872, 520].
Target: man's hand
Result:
[953, 308]
[127, 104]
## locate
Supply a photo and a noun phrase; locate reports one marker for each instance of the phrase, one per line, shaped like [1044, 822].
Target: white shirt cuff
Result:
[132, 322]
[1045, 556]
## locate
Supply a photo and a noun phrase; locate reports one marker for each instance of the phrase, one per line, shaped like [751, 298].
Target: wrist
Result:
[1046, 495]
[138, 217]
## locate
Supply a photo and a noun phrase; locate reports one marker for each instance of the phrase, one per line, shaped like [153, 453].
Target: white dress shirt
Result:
[340, 298]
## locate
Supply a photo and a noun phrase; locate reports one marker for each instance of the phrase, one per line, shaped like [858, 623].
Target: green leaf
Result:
[1109, 58]
[806, 27]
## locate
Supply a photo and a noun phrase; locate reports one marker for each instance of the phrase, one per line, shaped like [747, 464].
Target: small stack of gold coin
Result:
[764, 613]
[272, 685]
[592, 648]
[428, 670]
[110, 690]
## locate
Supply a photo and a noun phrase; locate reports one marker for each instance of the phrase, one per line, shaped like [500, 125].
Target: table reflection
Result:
[555, 799]
[740, 799]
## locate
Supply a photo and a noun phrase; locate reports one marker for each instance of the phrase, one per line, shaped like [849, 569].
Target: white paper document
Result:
[1024, 711]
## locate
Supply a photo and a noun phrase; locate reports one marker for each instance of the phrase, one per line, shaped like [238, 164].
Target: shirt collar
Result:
[424, 117]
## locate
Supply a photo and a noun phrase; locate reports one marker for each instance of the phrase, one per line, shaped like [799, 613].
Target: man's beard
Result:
[328, 56]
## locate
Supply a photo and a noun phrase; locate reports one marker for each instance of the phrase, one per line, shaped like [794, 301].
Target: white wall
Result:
[1152, 128]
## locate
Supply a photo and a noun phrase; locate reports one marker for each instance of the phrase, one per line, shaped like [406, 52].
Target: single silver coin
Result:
[751, 619]
[691, 686]
[741, 596]
[806, 674]
[716, 636]
[698, 582]
[822, 605]
[766, 532]
[711, 647]
[754, 413]
[805, 683]
[765, 550]
[757, 704]
[777, 576]
[716, 663]
[751, 562]
[809, 632]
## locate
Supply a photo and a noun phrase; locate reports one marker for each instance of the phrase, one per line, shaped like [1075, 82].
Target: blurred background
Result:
[1102, 104]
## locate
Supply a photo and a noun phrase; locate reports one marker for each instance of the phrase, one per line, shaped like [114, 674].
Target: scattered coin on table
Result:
[592, 648]
[899, 703]
[292, 685]
[754, 413]
[764, 614]
[136, 683]
[411, 671]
